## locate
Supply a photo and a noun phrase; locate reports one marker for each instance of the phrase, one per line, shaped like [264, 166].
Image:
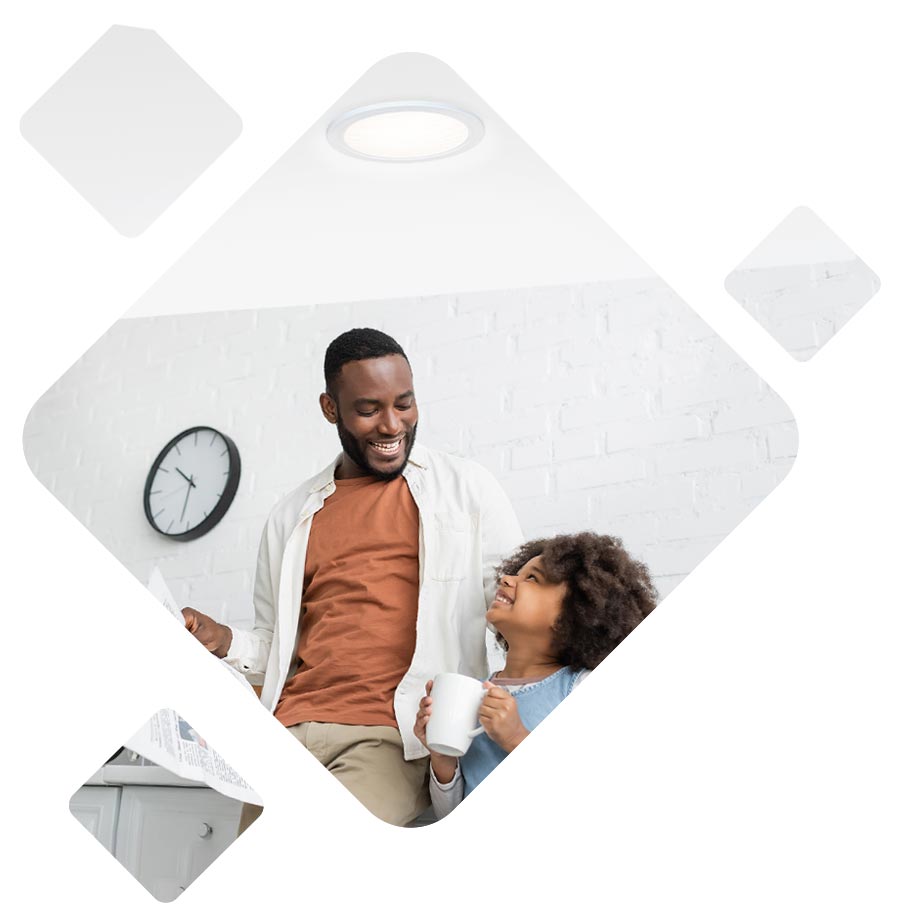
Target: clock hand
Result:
[189, 480]
[187, 495]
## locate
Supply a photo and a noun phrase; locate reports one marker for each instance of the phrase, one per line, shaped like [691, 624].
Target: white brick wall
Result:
[803, 306]
[606, 406]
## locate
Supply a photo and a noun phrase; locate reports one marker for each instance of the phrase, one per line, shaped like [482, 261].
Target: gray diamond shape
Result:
[130, 126]
[802, 283]
[164, 825]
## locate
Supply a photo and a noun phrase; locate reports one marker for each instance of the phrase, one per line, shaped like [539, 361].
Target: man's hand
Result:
[214, 637]
[443, 766]
[499, 715]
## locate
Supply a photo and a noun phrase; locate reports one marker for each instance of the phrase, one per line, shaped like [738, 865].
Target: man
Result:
[372, 577]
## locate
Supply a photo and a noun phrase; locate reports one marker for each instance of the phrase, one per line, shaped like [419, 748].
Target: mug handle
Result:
[478, 730]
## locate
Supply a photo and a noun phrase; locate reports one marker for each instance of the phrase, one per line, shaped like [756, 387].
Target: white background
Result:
[738, 754]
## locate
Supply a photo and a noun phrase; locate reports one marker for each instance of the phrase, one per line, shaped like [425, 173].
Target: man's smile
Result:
[387, 448]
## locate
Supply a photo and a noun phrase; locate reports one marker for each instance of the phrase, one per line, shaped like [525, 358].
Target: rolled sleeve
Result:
[445, 797]
[244, 654]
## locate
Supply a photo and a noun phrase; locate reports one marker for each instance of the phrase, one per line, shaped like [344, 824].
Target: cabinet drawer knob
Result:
[205, 830]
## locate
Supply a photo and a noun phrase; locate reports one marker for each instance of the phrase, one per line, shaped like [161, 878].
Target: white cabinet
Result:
[97, 809]
[164, 836]
[167, 836]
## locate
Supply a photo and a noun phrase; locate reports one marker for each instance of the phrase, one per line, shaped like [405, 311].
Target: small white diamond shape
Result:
[130, 126]
[802, 283]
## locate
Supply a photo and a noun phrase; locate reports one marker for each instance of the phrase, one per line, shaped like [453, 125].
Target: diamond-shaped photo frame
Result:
[604, 406]
[802, 283]
[130, 125]
[165, 805]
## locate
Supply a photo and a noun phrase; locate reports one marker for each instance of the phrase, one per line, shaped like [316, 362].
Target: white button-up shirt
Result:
[466, 527]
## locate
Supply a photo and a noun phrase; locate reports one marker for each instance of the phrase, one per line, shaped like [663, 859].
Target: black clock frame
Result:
[221, 508]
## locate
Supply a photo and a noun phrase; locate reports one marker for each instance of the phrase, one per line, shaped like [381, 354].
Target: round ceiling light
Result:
[405, 131]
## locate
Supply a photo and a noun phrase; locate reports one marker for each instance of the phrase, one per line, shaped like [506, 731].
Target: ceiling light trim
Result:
[337, 130]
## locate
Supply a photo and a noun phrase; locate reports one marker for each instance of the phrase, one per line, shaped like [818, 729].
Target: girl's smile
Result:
[527, 602]
[502, 598]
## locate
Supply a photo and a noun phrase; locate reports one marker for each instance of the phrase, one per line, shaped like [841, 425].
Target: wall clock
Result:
[192, 483]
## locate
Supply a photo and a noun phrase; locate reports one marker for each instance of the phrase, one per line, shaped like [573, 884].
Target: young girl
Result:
[562, 605]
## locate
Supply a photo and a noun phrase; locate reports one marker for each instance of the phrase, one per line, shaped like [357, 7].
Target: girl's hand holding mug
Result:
[499, 715]
[444, 766]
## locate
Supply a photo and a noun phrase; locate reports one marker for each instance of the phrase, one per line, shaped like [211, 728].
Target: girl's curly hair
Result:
[609, 593]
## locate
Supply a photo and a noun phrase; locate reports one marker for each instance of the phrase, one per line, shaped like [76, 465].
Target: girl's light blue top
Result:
[534, 702]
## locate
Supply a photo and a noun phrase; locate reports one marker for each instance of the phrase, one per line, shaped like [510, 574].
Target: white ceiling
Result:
[323, 227]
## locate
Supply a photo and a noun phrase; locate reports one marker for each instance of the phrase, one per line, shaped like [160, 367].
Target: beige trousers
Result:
[369, 762]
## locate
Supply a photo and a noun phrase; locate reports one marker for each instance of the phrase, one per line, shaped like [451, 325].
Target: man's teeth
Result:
[386, 448]
[501, 598]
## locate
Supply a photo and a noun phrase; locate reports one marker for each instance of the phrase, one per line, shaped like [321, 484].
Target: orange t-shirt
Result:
[359, 605]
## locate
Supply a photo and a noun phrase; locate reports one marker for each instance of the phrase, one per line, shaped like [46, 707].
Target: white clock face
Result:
[190, 482]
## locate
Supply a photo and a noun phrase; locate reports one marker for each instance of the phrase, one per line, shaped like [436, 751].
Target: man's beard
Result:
[351, 448]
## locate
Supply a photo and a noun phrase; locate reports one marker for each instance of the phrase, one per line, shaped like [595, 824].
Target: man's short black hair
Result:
[357, 344]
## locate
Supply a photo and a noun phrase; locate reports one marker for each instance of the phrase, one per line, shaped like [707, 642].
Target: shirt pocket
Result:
[451, 554]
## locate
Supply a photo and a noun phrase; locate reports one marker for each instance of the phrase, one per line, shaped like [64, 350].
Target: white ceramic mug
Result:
[453, 723]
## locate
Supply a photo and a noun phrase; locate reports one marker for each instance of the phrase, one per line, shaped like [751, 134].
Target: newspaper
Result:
[169, 741]
[160, 589]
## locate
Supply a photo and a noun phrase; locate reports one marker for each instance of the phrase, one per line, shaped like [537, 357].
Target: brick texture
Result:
[604, 406]
[804, 306]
